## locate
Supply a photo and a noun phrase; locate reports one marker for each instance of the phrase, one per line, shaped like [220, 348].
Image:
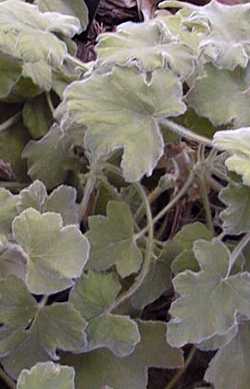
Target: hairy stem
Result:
[10, 122]
[147, 256]
[88, 189]
[180, 373]
[206, 204]
[186, 133]
[6, 379]
[237, 251]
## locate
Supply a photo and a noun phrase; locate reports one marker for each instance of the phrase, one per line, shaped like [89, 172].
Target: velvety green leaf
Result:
[112, 240]
[8, 210]
[210, 295]
[125, 116]
[237, 143]
[62, 200]
[75, 8]
[12, 259]
[55, 254]
[37, 116]
[99, 368]
[236, 216]
[118, 333]
[92, 296]
[49, 159]
[220, 96]
[157, 280]
[231, 358]
[223, 42]
[185, 239]
[10, 71]
[149, 43]
[49, 375]
[33, 333]
[94, 293]
[25, 26]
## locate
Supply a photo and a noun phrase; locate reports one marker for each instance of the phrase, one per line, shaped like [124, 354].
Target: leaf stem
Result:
[185, 132]
[237, 251]
[10, 122]
[180, 373]
[206, 204]
[8, 381]
[75, 61]
[88, 189]
[147, 256]
[50, 104]
[170, 205]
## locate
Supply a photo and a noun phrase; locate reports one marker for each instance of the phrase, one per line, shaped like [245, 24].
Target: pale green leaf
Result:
[10, 72]
[118, 333]
[125, 117]
[75, 8]
[217, 341]
[55, 254]
[112, 240]
[210, 295]
[93, 297]
[185, 239]
[221, 96]
[49, 159]
[8, 210]
[231, 358]
[32, 332]
[99, 368]
[237, 143]
[149, 43]
[12, 259]
[94, 293]
[157, 280]
[49, 375]
[62, 200]
[236, 216]
[37, 116]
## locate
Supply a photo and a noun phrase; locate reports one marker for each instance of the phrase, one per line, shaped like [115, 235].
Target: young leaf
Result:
[125, 116]
[210, 295]
[55, 254]
[220, 96]
[92, 296]
[49, 159]
[99, 368]
[231, 358]
[149, 43]
[31, 332]
[236, 142]
[47, 375]
[112, 240]
[236, 216]
[76, 8]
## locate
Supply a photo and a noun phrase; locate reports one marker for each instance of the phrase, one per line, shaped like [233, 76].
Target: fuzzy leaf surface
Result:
[92, 296]
[112, 240]
[49, 375]
[221, 96]
[210, 294]
[236, 216]
[125, 117]
[55, 254]
[149, 43]
[237, 143]
[232, 357]
[99, 368]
